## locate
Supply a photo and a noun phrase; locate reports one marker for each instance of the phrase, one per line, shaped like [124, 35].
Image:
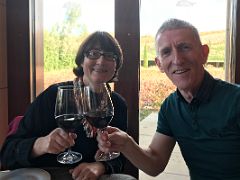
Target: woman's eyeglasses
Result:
[96, 54]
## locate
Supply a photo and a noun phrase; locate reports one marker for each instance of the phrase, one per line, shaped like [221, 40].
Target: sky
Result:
[206, 15]
[96, 14]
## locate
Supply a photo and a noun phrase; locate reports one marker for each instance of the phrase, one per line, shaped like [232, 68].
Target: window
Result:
[154, 85]
[66, 28]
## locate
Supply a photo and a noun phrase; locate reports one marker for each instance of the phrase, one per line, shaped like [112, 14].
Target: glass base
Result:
[69, 157]
[106, 157]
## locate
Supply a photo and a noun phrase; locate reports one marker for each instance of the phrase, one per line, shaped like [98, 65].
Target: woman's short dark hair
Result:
[105, 42]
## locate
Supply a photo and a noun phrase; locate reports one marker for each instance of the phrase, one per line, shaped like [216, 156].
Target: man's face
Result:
[181, 56]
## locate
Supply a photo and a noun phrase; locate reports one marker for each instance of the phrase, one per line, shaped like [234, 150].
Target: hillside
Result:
[215, 40]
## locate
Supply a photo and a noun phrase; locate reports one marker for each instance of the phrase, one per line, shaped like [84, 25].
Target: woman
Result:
[38, 139]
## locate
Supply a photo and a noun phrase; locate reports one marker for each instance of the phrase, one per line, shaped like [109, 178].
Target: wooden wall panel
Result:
[18, 54]
[127, 32]
[3, 74]
[3, 48]
[39, 58]
[2, 2]
[3, 114]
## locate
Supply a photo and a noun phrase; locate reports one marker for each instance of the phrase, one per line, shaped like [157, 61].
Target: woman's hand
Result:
[88, 171]
[55, 142]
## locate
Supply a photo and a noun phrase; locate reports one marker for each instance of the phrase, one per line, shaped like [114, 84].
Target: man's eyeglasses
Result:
[95, 54]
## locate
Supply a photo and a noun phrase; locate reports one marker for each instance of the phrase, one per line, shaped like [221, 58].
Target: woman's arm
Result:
[38, 121]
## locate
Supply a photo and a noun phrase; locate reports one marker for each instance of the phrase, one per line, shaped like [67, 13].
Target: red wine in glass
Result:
[98, 110]
[99, 122]
[69, 122]
[68, 117]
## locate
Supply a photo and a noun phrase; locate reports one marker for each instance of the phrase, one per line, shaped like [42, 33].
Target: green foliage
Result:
[145, 57]
[215, 40]
[60, 53]
[144, 113]
[62, 42]
[149, 40]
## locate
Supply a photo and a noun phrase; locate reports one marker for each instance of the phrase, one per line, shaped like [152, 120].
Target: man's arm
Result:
[152, 160]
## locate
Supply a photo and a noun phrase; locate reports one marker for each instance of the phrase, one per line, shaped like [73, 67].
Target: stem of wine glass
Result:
[106, 156]
[68, 155]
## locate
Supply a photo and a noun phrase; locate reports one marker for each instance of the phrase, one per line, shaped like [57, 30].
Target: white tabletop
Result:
[25, 173]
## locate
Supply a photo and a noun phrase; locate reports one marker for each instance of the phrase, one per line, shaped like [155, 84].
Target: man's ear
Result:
[158, 63]
[205, 52]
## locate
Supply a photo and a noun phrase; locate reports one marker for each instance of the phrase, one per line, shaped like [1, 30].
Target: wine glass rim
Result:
[66, 87]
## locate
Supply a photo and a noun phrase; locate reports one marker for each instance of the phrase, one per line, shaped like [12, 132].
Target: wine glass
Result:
[98, 110]
[68, 117]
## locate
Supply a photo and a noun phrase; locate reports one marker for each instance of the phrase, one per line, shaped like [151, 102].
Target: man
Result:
[202, 115]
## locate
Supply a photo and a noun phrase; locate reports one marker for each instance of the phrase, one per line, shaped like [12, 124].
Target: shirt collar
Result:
[205, 89]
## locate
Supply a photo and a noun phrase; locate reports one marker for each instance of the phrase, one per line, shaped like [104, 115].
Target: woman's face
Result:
[98, 66]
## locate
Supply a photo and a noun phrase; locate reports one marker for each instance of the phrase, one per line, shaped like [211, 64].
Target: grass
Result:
[215, 39]
[144, 113]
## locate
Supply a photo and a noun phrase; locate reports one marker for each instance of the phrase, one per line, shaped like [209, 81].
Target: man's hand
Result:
[112, 140]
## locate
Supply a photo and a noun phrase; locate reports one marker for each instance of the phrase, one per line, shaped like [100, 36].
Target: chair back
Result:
[13, 125]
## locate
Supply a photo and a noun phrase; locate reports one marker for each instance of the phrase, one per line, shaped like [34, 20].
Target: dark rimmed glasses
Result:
[96, 54]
